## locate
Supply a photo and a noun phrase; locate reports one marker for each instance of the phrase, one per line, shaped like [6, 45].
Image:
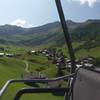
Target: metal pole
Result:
[39, 90]
[9, 82]
[66, 34]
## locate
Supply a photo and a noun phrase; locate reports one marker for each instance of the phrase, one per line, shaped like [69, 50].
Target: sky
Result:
[31, 13]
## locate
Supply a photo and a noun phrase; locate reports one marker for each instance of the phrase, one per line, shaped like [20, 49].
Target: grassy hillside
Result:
[13, 68]
[49, 33]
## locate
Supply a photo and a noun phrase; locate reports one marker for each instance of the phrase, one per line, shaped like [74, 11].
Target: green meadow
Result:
[14, 67]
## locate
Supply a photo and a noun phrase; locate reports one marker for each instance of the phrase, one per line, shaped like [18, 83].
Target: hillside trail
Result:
[26, 66]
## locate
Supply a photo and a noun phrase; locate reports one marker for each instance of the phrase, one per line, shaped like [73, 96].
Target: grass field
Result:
[12, 68]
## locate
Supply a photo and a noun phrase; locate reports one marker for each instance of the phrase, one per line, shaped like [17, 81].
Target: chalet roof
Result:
[1, 54]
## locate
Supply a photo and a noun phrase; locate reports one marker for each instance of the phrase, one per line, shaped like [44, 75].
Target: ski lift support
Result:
[66, 34]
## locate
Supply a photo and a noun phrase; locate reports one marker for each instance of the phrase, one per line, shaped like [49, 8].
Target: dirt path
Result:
[27, 66]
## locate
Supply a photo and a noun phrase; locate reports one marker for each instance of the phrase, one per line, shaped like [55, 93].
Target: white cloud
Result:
[90, 3]
[21, 23]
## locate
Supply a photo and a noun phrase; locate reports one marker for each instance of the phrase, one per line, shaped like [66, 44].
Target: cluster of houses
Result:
[6, 55]
[63, 62]
[33, 52]
[57, 57]
[83, 62]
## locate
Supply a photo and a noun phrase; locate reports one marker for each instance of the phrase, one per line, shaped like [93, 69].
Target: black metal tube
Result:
[4, 88]
[39, 90]
[66, 34]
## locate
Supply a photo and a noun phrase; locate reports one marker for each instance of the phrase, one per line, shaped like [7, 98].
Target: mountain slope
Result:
[49, 33]
[87, 31]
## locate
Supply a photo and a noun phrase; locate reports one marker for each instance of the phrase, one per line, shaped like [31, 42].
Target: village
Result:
[56, 56]
[62, 63]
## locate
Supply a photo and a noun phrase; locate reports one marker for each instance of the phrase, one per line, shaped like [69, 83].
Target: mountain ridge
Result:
[51, 32]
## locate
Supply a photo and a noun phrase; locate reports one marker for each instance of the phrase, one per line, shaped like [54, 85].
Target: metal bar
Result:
[39, 90]
[34, 80]
[66, 34]
[4, 88]
[67, 38]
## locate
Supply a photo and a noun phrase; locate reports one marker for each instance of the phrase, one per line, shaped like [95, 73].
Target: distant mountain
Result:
[10, 29]
[89, 30]
[93, 21]
[49, 33]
